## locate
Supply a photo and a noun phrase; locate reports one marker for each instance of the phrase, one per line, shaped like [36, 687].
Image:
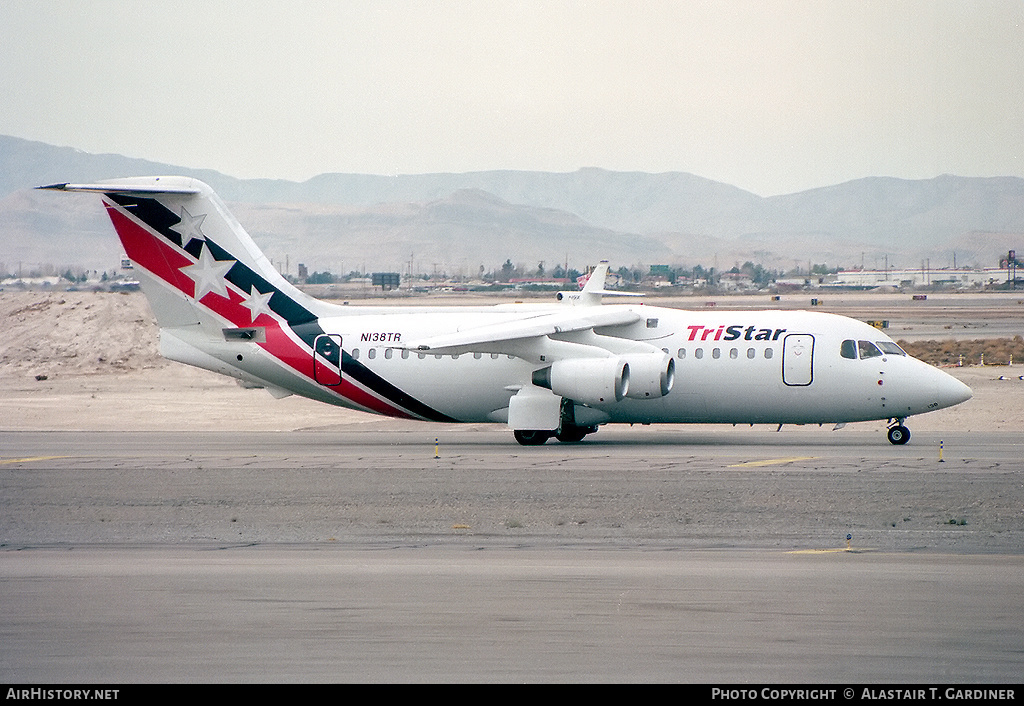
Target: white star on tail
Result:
[208, 274]
[258, 303]
[189, 228]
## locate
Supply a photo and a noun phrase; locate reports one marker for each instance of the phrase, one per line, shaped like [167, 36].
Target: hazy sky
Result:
[773, 97]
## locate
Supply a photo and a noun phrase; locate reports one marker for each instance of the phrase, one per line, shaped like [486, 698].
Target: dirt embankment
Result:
[981, 351]
[48, 333]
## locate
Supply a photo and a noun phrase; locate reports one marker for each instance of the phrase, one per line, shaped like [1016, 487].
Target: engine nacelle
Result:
[592, 381]
[651, 375]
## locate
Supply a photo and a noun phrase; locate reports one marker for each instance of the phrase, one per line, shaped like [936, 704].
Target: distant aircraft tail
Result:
[592, 289]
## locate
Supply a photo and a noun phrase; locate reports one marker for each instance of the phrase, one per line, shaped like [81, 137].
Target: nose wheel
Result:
[898, 434]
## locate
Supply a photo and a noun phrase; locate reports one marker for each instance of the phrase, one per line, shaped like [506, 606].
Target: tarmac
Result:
[374, 554]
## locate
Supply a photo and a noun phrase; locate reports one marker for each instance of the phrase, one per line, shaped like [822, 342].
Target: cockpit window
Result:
[867, 349]
[890, 347]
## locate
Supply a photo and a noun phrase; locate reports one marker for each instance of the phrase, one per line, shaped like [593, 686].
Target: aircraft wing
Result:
[512, 336]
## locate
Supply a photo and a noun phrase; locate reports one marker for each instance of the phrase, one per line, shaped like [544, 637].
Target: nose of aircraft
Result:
[929, 389]
[950, 391]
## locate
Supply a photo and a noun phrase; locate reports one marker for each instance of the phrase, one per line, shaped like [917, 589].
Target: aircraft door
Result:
[797, 359]
[327, 359]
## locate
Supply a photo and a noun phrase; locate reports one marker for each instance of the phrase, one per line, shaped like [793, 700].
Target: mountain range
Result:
[465, 223]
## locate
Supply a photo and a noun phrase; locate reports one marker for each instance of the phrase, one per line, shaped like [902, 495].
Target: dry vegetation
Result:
[996, 351]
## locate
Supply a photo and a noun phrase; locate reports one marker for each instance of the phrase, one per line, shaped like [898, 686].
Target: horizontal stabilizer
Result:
[136, 185]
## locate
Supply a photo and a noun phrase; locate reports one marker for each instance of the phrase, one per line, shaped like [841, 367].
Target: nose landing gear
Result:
[898, 434]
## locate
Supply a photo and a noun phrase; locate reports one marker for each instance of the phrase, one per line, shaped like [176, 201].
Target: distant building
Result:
[735, 280]
[386, 280]
[911, 277]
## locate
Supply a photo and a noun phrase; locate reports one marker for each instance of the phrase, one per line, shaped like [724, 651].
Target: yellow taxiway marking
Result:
[30, 459]
[772, 461]
[840, 550]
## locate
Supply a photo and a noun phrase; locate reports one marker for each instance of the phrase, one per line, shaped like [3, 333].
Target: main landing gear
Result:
[568, 430]
[531, 437]
[898, 434]
[567, 433]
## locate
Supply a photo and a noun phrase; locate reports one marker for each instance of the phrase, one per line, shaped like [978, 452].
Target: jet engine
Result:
[591, 381]
[650, 375]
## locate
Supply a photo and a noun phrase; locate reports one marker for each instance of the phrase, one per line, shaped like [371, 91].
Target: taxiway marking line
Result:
[832, 551]
[772, 461]
[30, 459]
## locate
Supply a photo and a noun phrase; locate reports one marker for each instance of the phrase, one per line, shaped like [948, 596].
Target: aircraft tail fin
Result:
[195, 262]
[222, 306]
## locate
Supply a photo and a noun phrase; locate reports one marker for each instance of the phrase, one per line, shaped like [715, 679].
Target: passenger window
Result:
[848, 349]
[372, 353]
[388, 352]
[734, 353]
[768, 353]
[405, 353]
[355, 353]
[682, 353]
[716, 353]
[867, 349]
[699, 353]
[751, 353]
